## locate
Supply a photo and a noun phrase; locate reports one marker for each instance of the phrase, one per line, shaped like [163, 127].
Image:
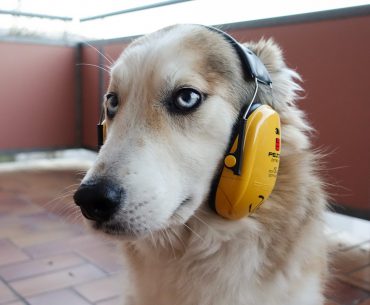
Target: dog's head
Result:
[171, 105]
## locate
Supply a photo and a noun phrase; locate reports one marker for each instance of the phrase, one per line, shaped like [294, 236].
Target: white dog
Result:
[172, 101]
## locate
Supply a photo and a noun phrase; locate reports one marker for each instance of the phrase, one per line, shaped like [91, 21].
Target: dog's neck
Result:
[204, 230]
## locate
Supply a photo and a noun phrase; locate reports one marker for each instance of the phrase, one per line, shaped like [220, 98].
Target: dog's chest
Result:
[204, 277]
[210, 277]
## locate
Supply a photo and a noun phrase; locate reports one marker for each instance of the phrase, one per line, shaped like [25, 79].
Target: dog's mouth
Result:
[119, 230]
[125, 224]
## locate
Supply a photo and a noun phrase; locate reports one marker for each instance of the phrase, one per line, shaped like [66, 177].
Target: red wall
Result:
[90, 96]
[37, 85]
[333, 57]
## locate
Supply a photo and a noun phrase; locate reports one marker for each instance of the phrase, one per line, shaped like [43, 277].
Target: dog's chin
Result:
[117, 230]
[121, 230]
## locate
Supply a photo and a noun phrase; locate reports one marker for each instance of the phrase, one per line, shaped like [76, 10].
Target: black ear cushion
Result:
[256, 68]
[252, 65]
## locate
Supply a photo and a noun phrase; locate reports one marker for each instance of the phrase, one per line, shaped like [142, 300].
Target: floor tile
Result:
[61, 297]
[53, 260]
[57, 280]
[101, 289]
[354, 282]
[362, 274]
[346, 261]
[41, 237]
[107, 258]
[114, 301]
[9, 253]
[24, 233]
[6, 295]
[63, 246]
[19, 205]
[39, 266]
[345, 294]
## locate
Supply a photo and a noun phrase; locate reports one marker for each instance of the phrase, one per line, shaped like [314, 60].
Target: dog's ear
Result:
[269, 52]
[285, 81]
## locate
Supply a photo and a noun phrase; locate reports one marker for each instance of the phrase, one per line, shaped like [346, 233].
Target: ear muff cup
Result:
[236, 196]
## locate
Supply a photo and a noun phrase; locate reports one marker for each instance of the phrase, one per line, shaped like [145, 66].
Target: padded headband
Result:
[252, 65]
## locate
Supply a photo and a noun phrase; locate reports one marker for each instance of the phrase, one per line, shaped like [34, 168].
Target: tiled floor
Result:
[48, 258]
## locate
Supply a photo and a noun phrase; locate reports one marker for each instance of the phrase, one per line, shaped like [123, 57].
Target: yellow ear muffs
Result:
[238, 194]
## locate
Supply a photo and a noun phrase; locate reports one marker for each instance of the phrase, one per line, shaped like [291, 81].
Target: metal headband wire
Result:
[252, 101]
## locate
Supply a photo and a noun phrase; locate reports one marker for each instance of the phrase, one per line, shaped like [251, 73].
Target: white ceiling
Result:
[141, 22]
[71, 8]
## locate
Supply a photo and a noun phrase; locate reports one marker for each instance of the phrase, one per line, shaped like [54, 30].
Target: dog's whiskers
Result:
[177, 236]
[53, 204]
[202, 221]
[74, 217]
[188, 227]
[170, 242]
[195, 233]
[96, 66]
[81, 172]
[106, 57]
[152, 237]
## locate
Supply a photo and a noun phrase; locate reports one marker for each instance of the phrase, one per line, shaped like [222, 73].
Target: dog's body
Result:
[162, 163]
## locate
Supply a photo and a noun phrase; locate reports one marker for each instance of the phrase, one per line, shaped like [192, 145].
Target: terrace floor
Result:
[48, 258]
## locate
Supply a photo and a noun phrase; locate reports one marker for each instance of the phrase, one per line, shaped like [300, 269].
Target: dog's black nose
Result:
[99, 200]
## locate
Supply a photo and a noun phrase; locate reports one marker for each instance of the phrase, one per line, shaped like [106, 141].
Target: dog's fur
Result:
[178, 250]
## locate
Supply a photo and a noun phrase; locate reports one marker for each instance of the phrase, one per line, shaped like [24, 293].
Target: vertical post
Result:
[78, 96]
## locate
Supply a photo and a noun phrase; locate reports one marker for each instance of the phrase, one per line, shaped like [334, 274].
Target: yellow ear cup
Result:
[238, 196]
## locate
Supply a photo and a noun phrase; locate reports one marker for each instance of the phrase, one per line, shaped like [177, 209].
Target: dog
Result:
[173, 99]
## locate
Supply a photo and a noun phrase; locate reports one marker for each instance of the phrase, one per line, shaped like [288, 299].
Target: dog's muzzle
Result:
[99, 200]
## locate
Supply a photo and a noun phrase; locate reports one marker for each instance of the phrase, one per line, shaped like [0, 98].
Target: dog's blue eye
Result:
[112, 104]
[186, 99]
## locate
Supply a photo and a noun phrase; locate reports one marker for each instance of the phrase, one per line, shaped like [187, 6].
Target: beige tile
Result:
[8, 221]
[11, 203]
[346, 261]
[61, 297]
[57, 280]
[344, 293]
[9, 253]
[66, 245]
[6, 295]
[108, 258]
[23, 236]
[101, 289]
[25, 240]
[116, 301]
[26, 230]
[362, 274]
[354, 282]
[39, 266]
